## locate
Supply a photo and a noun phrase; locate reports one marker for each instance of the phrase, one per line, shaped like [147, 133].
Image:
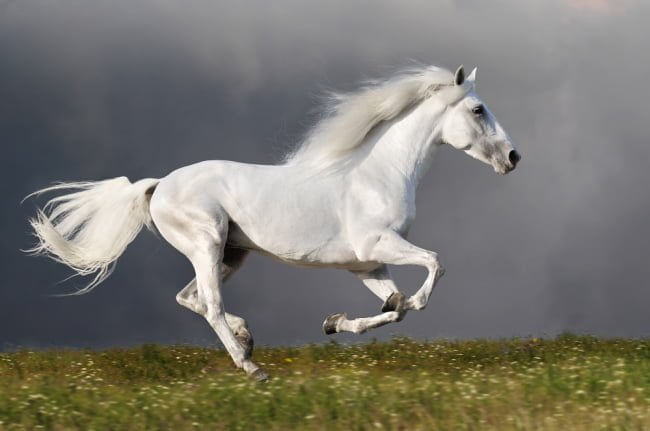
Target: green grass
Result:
[568, 383]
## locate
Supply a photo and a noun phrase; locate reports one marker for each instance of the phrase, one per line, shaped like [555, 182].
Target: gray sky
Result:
[98, 89]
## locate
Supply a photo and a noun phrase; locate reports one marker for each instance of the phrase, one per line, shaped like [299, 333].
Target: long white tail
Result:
[89, 229]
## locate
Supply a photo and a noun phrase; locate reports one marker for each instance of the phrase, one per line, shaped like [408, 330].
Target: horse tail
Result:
[88, 229]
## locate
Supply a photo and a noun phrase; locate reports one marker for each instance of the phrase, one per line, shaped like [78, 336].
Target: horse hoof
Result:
[330, 324]
[395, 302]
[260, 376]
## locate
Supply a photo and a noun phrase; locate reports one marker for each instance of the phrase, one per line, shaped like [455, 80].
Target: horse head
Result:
[469, 126]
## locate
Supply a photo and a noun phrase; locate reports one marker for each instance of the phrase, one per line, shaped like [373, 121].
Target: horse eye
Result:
[478, 110]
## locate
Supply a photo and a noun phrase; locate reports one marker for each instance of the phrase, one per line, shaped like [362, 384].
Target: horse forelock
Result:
[348, 117]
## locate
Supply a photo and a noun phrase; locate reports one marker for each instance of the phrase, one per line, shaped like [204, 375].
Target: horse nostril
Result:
[514, 157]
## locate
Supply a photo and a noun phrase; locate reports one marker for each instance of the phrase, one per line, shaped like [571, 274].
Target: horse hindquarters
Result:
[198, 229]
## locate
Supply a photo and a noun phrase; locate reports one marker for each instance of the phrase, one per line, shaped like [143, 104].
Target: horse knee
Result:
[435, 266]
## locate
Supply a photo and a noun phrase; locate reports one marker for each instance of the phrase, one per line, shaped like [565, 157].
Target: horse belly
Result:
[302, 241]
[298, 229]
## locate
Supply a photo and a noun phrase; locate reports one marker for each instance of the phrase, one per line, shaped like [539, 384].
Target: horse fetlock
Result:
[242, 333]
[245, 339]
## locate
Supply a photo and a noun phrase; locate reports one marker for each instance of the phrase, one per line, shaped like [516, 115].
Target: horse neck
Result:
[404, 148]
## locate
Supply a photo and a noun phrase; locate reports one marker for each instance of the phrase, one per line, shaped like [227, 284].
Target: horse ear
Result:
[460, 76]
[472, 76]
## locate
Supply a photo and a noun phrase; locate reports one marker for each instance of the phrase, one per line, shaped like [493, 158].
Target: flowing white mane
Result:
[348, 118]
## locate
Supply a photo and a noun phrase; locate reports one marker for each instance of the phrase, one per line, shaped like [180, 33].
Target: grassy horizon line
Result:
[570, 381]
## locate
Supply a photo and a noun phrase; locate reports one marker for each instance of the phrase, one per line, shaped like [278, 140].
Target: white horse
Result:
[344, 199]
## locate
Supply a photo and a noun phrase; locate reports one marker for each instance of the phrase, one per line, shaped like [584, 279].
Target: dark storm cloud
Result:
[92, 90]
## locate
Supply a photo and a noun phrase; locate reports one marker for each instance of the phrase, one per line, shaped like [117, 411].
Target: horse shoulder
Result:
[380, 203]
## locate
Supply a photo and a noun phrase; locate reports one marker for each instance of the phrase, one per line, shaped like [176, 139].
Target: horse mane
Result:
[347, 118]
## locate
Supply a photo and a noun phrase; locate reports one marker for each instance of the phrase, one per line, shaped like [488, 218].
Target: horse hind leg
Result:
[207, 264]
[233, 259]
[242, 333]
[201, 236]
[189, 298]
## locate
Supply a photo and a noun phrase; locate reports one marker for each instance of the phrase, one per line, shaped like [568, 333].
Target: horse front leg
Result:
[339, 322]
[381, 284]
[391, 248]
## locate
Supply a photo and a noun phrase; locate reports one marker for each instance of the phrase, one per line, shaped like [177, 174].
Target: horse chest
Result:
[382, 207]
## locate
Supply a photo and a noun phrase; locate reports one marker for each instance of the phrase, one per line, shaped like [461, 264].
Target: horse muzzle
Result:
[513, 159]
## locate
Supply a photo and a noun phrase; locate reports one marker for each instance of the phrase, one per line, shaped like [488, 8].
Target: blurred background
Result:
[97, 89]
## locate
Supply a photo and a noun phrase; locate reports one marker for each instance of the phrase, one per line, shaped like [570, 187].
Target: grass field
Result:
[569, 383]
